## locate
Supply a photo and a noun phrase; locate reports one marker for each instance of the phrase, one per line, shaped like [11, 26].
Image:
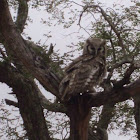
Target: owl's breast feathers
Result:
[82, 75]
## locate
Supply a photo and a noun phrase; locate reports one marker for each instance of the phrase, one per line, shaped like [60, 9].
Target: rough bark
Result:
[22, 14]
[32, 112]
[137, 113]
[79, 114]
[43, 73]
[106, 115]
[28, 102]
[16, 44]
[114, 95]
[78, 108]
[104, 121]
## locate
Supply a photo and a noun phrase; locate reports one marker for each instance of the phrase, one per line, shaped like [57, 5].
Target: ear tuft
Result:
[88, 41]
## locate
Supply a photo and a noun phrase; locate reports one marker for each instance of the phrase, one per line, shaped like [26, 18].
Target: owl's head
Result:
[94, 46]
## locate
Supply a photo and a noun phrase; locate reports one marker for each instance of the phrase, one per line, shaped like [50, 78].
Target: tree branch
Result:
[113, 49]
[22, 14]
[113, 96]
[80, 17]
[119, 64]
[113, 27]
[28, 101]
[9, 102]
[17, 46]
[137, 113]
[54, 107]
[126, 77]
[111, 24]
[106, 115]
[13, 76]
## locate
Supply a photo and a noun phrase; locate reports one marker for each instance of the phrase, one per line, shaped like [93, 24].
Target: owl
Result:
[86, 71]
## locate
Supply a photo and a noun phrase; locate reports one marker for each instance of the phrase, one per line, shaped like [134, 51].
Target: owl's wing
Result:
[68, 70]
[77, 80]
[84, 75]
[77, 63]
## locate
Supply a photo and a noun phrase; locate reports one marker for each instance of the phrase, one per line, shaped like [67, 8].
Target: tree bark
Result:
[33, 63]
[28, 102]
[106, 116]
[79, 113]
[44, 73]
[32, 112]
[137, 113]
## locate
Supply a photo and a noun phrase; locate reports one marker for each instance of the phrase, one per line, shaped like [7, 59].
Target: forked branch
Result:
[17, 46]
[22, 14]
[111, 24]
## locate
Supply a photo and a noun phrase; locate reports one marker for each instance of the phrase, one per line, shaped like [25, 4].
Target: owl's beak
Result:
[94, 52]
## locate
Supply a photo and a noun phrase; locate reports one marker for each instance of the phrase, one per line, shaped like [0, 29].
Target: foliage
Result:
[11, 124]
[123, 50]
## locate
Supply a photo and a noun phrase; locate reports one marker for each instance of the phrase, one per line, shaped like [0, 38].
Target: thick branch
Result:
[11, 79]
[54, 107]
[106, 115]
[22, 14]
[15, 43]
[119, 64]
[126, 77]
[28, 102]
[113, 96]
[104, 121]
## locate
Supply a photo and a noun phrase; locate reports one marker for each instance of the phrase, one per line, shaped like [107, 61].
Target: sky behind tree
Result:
[59, 37]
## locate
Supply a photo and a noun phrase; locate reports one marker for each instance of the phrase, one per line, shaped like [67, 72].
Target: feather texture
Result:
[86, 71]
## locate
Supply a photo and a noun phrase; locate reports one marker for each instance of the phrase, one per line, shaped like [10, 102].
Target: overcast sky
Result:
[36, 31]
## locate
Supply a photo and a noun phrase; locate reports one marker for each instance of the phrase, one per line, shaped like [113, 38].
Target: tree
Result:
[23, 61]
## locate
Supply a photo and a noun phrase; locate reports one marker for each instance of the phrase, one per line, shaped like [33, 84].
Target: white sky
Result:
[36, 31]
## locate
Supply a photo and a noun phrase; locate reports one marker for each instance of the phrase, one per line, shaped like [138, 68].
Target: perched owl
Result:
[86, 71]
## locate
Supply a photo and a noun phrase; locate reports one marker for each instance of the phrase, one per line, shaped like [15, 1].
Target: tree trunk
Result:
[28, 101]
[79, 114]
[137, 113]
[32, 113]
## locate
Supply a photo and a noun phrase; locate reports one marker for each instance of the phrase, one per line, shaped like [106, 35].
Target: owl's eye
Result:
[92, 48]
[100, 48]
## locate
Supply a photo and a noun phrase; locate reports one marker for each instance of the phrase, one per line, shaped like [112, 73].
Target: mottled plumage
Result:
[86, 71]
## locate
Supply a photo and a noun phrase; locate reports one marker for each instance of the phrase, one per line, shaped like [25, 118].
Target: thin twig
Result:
[112, 25]
[76, 3]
